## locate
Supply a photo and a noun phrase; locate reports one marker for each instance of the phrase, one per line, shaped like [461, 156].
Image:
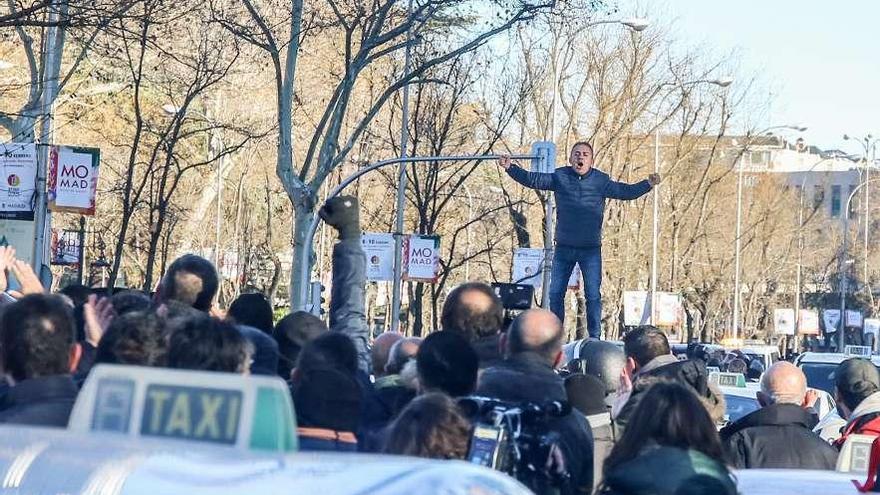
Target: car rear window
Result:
[820, 375]
[737, 407]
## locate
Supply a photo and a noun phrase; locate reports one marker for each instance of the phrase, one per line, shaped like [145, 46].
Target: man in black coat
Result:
[534, 348]
[779, 435]
[38, 354]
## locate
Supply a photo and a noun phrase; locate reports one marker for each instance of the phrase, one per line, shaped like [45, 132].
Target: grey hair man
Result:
[779, 435]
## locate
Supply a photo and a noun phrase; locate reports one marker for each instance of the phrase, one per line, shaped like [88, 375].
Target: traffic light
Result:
[547, 153]
[317, 302]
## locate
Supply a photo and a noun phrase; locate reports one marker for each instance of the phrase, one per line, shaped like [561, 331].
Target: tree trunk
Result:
[301, 221]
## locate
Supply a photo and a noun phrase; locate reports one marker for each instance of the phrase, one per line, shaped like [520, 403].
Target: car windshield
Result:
[737, 406]
[821, 375]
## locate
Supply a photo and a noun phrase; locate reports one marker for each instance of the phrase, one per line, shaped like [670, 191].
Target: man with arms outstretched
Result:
[580, 192]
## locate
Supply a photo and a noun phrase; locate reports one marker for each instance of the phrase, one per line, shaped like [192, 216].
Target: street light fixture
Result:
[868, 143]
[722, 82]
[739, 186]
[637, 24]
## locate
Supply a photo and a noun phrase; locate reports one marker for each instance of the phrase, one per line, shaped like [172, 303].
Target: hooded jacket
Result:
[665, 470]
[691, 373]
[864, 420]
[580, 200]
[778, 436]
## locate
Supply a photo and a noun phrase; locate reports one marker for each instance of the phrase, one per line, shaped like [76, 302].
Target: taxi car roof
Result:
[41, 460]
[800, 481]
[830, 358]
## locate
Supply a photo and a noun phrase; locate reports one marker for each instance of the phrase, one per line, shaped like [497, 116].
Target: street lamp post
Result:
[722, 82]
[636, 25]
[797, 293]
[868, 143]
[841, 338]
[738, 243]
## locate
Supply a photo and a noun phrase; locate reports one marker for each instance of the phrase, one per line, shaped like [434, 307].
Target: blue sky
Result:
[820, 60]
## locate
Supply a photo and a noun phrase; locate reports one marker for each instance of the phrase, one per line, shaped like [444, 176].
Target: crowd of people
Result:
[640, 420]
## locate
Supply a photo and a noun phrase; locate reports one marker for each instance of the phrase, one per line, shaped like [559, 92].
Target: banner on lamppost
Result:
[853, 318]
[18, 172]
[379, 248]
[73, 179]
[809, 322]
[636, 308]
[421, 258]
[831, 318]
[669, 309]
[872, 327]
[65, 247]
[783, 321]
[528, 264]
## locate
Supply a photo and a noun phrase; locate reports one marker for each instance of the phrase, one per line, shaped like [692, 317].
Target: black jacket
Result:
[488, 351]
[39, 401]
[777, 436]
[526, 377]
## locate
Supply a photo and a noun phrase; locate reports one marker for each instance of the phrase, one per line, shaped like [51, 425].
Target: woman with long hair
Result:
[431, 426]
[669, 447]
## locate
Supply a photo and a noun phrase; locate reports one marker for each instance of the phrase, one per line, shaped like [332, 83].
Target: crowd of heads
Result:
[407, 403]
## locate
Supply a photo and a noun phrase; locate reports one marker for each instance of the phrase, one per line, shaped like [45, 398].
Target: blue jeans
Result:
[590, 262]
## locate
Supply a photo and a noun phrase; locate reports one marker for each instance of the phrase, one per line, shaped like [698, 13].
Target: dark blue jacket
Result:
[45, 401]
[580, 200]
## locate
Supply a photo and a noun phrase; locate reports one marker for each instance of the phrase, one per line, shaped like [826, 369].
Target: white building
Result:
[826, 178]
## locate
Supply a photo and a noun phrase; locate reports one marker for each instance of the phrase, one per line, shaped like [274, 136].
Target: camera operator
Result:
[533, 348]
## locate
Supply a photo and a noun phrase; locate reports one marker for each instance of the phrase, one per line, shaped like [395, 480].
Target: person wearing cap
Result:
[857, 392]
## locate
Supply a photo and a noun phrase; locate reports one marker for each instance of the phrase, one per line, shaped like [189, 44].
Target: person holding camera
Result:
[580, 191]
[533, 349]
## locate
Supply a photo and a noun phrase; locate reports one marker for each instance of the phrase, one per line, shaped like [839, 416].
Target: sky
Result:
[818, 60]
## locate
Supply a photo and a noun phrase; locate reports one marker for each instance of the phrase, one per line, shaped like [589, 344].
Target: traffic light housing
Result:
[317, 299]
[546, 150]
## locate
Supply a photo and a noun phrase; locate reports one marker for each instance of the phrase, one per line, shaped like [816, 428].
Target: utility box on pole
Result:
[546, 153]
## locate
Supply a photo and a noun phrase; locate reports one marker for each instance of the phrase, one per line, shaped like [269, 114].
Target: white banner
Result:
[422, 259]
[872, 327]
[18, 173]
[379, 249]
[669, 309]
[65, 247]
[831, 318]
[853, 318]
[73, 179]
[809, 322]
[783, 321]
[527, 269]
[636, 310]
[527, 263]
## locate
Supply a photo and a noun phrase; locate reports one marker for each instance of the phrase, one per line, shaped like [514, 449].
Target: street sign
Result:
[831, 318]
[853, 318]
[858, 351]
[248, 412]
[736, 380]
[528, 268]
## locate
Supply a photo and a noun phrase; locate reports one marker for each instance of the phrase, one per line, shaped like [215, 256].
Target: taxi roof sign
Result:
[736, 380]
[858, 350]
[248, 412]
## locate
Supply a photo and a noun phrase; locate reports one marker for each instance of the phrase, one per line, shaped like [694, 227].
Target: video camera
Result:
[515, 439]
